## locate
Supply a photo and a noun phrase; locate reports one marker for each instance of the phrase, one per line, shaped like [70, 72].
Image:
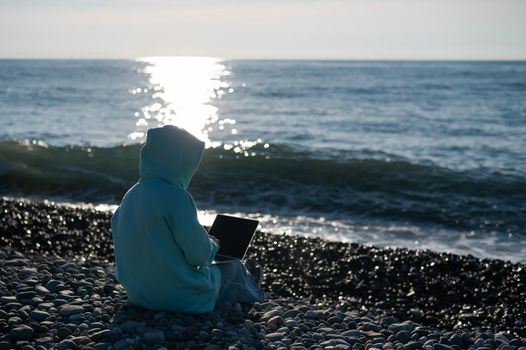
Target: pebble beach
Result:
[58, 291]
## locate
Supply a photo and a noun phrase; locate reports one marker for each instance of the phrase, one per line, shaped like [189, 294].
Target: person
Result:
[163, 256]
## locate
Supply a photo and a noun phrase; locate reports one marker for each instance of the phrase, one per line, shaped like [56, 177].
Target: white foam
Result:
[492, 245]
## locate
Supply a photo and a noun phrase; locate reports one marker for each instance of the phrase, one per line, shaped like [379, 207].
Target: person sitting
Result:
[163, 256]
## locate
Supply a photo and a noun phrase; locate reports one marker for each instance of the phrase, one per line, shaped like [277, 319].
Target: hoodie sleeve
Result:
[189, 235]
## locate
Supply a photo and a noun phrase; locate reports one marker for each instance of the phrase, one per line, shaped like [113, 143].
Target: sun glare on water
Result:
[183, 91]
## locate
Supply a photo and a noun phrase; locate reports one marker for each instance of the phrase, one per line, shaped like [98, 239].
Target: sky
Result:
[265, 29]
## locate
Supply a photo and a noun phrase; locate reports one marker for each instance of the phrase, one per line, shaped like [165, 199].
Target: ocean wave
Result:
[281, 179]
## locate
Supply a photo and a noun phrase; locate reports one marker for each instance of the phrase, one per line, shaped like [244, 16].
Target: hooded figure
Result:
[163, 255]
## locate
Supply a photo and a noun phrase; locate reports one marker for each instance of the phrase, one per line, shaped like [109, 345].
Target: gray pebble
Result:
[44, 340]
[291, 313]
[272, 337]
[66, 310]
[42, 290]
[7, 299]
[101, 335]
[479, 342]
[312, 314]
[276, 320]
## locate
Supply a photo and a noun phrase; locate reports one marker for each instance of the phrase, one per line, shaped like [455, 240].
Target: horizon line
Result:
[272, 59]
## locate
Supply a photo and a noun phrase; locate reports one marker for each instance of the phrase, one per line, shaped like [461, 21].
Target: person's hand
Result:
[216, 241]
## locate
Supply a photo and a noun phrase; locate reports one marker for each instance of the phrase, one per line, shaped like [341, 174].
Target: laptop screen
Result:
[234, 234]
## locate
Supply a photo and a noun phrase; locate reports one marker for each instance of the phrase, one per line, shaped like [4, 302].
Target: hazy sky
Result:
[333, 29]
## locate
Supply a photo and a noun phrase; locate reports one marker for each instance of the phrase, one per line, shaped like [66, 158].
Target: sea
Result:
[423, 155]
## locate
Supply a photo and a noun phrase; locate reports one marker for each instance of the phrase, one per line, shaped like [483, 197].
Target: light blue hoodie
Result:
[163, 255]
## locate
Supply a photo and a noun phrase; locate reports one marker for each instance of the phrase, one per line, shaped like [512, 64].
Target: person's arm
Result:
[197, 246]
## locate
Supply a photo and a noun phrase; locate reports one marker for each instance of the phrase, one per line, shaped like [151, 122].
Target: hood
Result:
[172, 154]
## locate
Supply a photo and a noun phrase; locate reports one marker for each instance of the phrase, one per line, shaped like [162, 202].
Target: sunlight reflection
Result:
[183, 92]
[184, 88]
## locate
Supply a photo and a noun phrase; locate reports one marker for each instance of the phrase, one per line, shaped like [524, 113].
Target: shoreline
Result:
[357, 293]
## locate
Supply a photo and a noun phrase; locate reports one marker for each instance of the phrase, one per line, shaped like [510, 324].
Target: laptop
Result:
[234, 235]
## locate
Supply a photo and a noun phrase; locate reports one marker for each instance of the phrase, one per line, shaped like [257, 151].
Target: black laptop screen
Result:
[234, 234]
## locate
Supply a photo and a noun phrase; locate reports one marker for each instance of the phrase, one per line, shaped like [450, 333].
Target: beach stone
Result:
[217, 333]
[273, 337]
[27, 295]
[291, 313]
[76, 317]
[203, 336]
[54, 286]
[39, 315]
[312, 314]
[189, 332]
[63, 332]
[438, 346]
[16, 262]
[479, 343]
[93, 325]
[130, 326]
[353, 334]
[212, 347]
[83, 327]
[5, 345]
[11, 306]
[102, 346]
[42, 290]
[58, 302]
[455, 339]
[291, 323]
[231, 334]
[370, 326]
[154, 337]
[8, 299]
[15, 320]
[100, 335]
[120, 345]
[67, 344]
[26, 272]
[334, 319]
[413, 345]
[67, 310]
[516, 342]
[403, 336]
[83, 340]
[268, 315]
[389, 320]
[276, 320]
[22, 332]
[3, 315]
[44, 341]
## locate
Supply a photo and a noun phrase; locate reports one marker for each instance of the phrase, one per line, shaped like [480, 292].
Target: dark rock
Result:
[100, 335]
[22, 332]
[39, 315]
[154, 337]
[67, 310]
